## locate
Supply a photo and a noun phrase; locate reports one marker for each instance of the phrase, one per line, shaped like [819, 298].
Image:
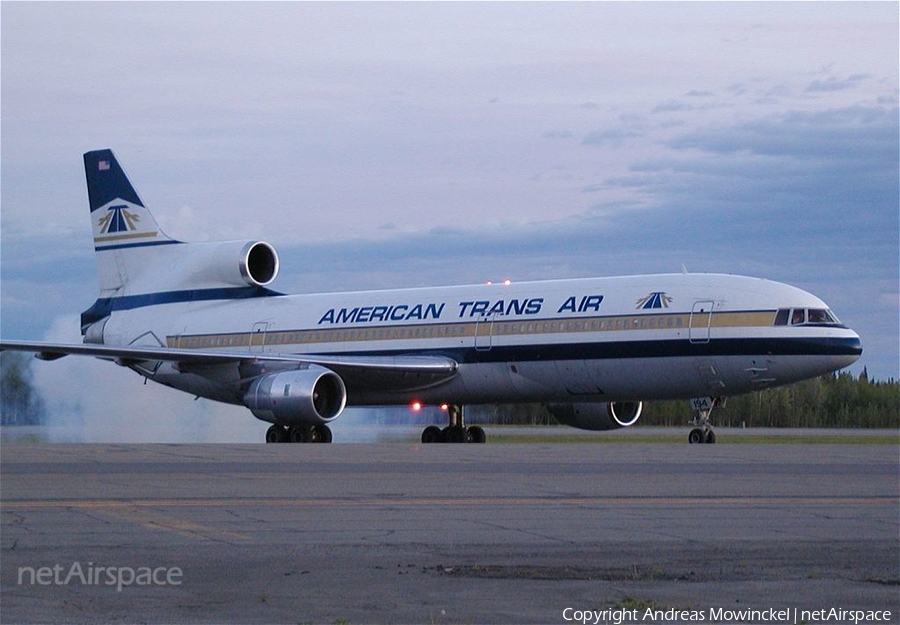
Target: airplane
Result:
[201, 318]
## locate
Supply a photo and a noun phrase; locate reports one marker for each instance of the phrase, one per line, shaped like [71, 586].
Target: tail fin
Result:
[118, 215]
[134, 268]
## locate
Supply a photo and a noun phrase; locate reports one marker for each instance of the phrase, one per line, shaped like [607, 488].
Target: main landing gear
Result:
[456, 431]
[703, 432]
[299, 434]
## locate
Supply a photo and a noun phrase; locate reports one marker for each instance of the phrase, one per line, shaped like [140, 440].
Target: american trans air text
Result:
[465, 310]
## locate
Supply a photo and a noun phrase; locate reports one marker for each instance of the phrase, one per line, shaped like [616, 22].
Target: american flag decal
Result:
[103, 166]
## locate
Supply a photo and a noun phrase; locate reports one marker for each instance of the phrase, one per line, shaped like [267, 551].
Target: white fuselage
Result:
[600, 339]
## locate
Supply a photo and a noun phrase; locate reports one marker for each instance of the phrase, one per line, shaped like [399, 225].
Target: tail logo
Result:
[118, 219]
[123, 223]
[657, 299]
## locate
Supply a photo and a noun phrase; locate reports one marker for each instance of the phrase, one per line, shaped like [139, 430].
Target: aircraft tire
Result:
[710, 437]
[476, 434]
[696, 436]
[319, 434]
[299, 434]
[276, 434]
[432, 434]
[457, 434]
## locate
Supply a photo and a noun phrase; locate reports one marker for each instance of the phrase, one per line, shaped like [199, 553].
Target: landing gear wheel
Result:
[457, 434]
[319, 434]
[703, 407]
[299, 434]
[456, 431]
[432, 434]
[276, 434]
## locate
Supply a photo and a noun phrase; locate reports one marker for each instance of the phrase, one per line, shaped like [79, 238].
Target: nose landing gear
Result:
[703, 432]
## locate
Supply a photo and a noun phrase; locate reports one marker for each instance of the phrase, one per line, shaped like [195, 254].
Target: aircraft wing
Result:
[403, 371]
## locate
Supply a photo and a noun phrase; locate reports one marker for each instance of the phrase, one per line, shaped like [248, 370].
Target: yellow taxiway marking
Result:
[153, 519]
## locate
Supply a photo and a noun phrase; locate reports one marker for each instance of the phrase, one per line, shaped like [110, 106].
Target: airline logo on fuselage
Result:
[657, 299]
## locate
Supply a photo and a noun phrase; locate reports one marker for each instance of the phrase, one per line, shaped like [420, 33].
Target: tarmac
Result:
[411, 533]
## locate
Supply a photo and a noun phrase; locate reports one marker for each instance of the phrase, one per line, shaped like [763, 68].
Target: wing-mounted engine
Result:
[311, 396]
[595, 417]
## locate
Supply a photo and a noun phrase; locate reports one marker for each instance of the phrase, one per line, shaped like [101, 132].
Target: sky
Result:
[382, 145]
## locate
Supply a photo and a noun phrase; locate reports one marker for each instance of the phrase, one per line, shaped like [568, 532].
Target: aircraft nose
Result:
[850, 349]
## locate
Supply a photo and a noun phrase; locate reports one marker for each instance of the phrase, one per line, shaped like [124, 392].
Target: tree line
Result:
[20, 403]
[836, 400]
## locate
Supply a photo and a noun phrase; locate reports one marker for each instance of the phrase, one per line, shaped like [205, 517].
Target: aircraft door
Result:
[258, 336]
[701, 318]
[484, 332]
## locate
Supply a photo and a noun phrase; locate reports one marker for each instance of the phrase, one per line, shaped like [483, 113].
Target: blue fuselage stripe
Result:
[104, 306]
[106, 248]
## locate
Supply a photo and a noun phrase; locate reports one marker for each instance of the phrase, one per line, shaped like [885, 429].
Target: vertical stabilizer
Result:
[121, 223]
[118, 215]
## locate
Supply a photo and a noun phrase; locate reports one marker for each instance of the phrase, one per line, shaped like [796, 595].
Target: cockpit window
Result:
[804, 316]
[821, 316]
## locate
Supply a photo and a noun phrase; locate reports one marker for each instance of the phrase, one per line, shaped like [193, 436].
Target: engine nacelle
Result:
[312, 396]
[242, 262]
[609, 416]
[214, 265]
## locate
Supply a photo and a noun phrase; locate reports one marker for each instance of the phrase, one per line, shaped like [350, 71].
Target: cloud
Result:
[834, 83]
[828, 134]
[611, 137]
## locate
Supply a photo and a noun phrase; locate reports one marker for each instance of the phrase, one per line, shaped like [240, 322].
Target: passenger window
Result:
[781, 318]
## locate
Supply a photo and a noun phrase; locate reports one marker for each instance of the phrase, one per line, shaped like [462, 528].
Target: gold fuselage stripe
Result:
[483, 328]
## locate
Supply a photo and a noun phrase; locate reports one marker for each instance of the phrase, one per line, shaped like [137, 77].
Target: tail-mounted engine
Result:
[239, 263]
[258, 263]
[609, 416]
[208, 265]
[312, 396]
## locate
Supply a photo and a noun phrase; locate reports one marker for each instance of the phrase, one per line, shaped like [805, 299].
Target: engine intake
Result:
[312, 396]
[258, 263]
[597, 417]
